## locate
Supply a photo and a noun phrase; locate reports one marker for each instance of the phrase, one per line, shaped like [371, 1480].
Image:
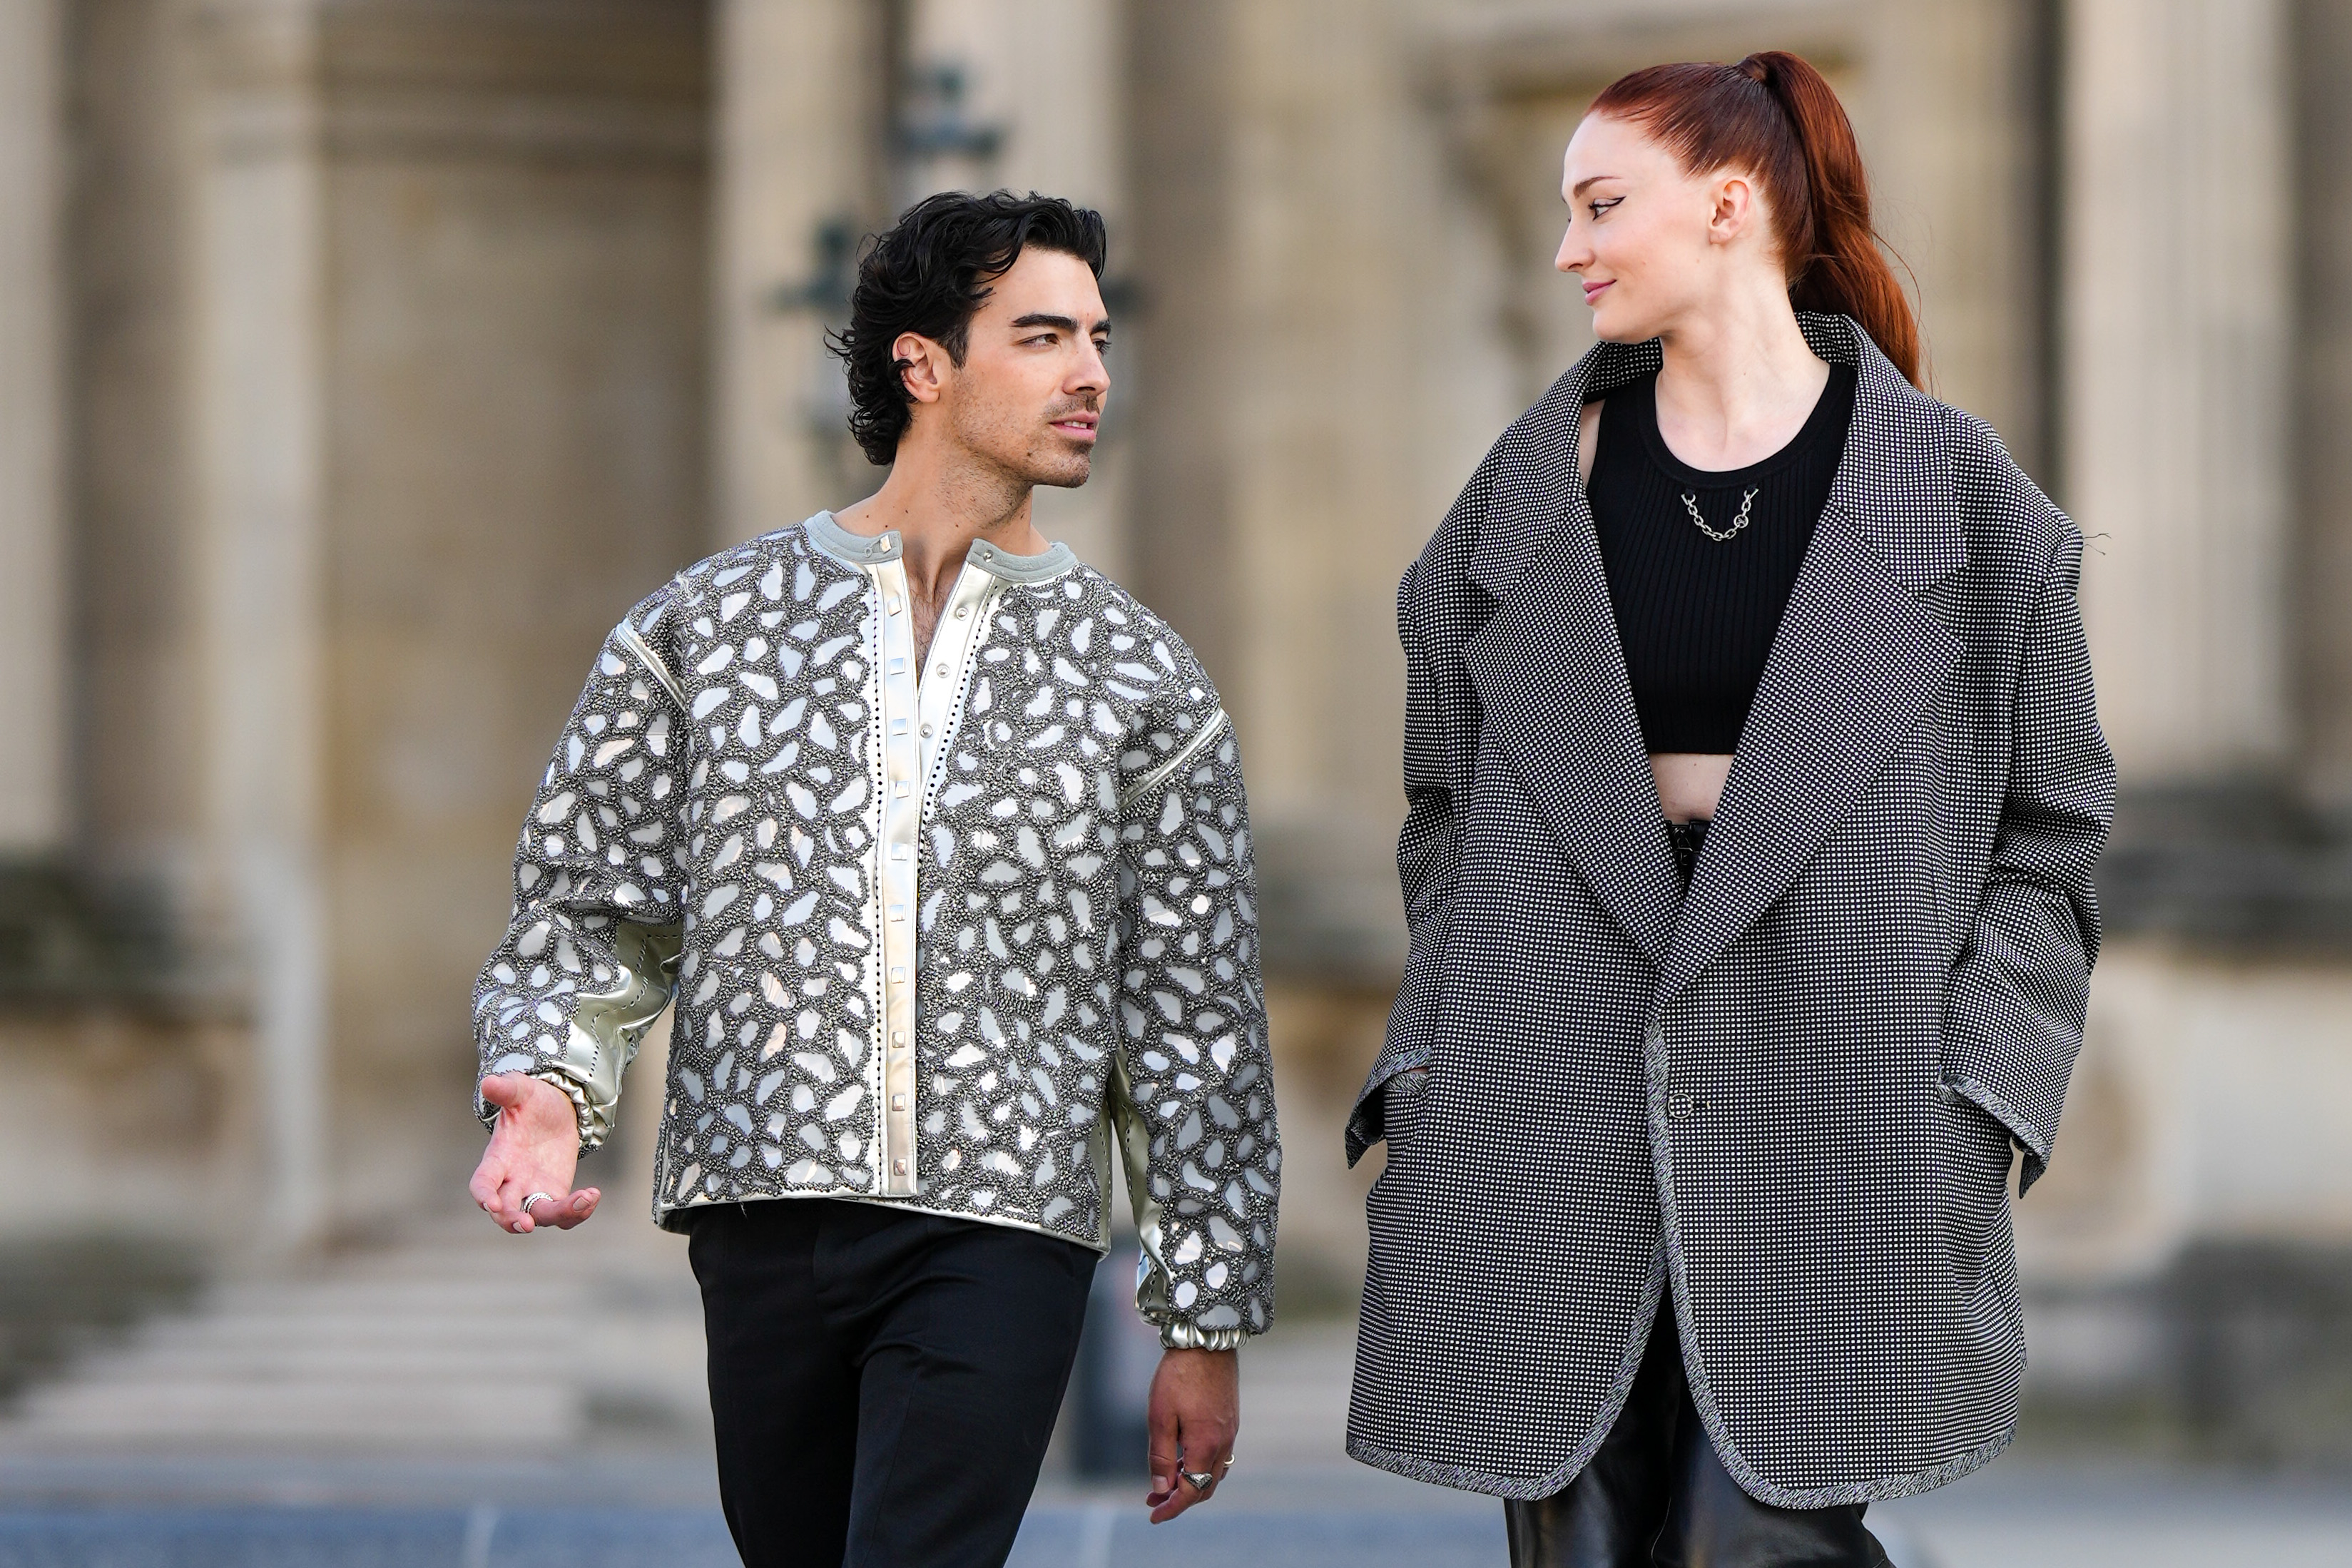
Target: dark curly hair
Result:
[929, 273]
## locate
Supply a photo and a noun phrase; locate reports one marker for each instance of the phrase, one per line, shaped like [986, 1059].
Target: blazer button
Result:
[1679, 1106]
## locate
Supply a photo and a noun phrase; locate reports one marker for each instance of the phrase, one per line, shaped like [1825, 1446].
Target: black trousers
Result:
[883, 1384]
[1655, 1496]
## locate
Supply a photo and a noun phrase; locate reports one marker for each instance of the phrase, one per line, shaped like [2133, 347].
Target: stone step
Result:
[404, 1413]
[443, 1342]
[449, 1360]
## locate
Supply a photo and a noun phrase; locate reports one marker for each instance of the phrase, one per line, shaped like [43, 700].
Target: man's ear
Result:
[922, 365]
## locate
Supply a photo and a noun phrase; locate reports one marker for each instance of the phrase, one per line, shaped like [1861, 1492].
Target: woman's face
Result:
[1653, 245]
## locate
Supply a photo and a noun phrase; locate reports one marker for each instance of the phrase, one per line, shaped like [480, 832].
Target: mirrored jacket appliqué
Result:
[936, 937]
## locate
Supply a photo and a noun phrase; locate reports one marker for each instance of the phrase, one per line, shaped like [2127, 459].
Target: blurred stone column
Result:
[1953, 109]
[261, 361]
[1181, 159]
[33, 594]
[2323, 597]
[801, 115]
[2179, 294]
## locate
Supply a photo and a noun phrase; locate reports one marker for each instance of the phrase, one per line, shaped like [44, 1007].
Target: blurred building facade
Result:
[361, 361]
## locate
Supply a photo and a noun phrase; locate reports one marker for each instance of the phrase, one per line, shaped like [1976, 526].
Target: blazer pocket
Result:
[1402, 1099]
[1975, 1197]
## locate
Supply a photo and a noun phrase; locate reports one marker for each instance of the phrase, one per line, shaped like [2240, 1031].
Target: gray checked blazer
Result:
[1789, 1097]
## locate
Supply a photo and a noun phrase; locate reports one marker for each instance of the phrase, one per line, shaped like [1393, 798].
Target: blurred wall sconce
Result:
[934, 120]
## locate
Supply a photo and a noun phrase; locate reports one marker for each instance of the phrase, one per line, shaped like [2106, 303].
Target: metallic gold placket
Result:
[902, 811]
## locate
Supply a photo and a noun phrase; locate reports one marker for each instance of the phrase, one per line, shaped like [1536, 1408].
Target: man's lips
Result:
[1079, 425]
[1592, 290]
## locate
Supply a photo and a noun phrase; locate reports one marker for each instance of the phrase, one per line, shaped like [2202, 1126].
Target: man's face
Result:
[1029, 395]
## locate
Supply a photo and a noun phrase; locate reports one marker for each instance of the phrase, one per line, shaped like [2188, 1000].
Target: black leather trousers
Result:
[1655, 1496]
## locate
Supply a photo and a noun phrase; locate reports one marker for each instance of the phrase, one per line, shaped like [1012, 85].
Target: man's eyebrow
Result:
[1591, 179]
[1063, 324]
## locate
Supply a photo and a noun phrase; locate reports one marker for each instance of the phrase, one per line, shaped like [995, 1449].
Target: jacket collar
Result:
[861, 550]
[1895, 483]
[1856, 662]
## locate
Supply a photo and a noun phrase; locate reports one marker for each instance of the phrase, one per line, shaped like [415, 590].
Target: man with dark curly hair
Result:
[938, 839]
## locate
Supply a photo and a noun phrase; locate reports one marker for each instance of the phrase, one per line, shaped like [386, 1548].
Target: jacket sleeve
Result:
[2015, 1002]
[1441, 727]
[1191, 1096]
[590, 956]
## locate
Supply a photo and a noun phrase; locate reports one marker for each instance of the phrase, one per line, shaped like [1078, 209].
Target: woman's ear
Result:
[1734, 209]
[918, 360]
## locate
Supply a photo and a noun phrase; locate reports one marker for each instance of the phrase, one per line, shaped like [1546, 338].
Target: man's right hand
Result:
[535, 1148]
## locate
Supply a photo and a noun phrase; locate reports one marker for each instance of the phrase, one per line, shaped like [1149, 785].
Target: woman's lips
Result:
[1593, 291]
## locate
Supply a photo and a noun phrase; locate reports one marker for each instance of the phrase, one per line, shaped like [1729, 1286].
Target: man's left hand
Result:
[1196, 1410]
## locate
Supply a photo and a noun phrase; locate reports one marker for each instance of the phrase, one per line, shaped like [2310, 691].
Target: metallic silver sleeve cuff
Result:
[607, 1026]
[1192, 1337]
[596, 1122]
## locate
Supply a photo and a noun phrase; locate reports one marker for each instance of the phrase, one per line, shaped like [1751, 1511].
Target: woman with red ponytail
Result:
[1756, 785]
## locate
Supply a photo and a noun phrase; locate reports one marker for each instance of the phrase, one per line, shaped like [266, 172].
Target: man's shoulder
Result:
[1116, 634]
[777, 566]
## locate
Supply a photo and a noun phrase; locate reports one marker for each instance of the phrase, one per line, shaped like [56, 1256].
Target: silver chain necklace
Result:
[1690, 505]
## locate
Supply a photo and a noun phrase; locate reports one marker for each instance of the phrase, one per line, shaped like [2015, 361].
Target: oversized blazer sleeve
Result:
[2017, 994]
[1438, 607]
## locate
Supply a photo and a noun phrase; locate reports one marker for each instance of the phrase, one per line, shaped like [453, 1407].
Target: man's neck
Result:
[939, 510]
[938, 513]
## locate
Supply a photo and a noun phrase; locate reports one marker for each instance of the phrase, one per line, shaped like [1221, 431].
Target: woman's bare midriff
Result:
[1690, 784]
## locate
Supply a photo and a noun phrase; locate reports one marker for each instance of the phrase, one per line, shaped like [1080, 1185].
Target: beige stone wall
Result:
[389, 342]
[514, 444]
[407, 341]
[1374, 215]
[122, 1123]
[1348, 216]
[2213, 1099]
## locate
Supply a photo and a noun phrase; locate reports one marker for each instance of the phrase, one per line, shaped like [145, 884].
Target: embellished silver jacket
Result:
[935, 943]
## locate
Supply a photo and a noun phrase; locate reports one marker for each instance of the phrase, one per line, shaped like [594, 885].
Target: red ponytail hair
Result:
[1776, 117]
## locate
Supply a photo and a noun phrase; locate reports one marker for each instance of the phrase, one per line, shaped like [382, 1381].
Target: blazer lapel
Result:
[1856, 662]
[1550, 671]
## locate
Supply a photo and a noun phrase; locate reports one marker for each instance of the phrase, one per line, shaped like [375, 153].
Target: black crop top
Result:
[1697, 615]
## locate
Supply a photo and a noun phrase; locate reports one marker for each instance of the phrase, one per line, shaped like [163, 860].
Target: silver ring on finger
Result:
[1200, 1480]
[534, 1198]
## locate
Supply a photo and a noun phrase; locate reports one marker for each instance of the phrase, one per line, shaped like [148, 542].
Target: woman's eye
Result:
[1603, 206]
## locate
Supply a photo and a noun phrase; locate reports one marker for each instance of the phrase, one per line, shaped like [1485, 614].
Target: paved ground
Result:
[2041, 1519]
[453, 1400]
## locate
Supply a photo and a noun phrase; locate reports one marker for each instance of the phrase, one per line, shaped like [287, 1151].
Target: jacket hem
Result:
[1612, 1406]
[1702, 1389]
[671, 1215]
[1463, 1478]
[1174, 1335]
